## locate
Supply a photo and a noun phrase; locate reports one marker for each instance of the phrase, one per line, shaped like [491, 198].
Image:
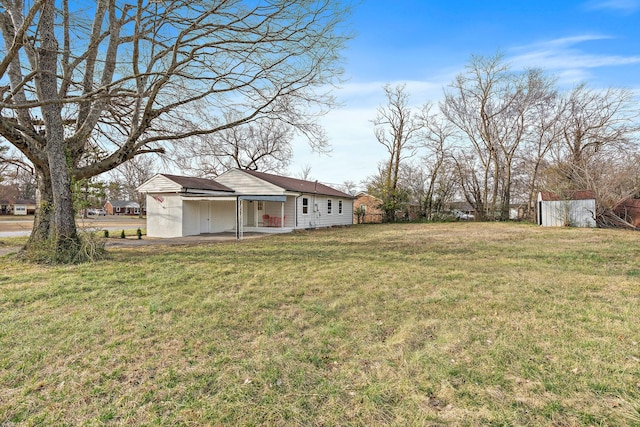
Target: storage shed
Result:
[571, 209]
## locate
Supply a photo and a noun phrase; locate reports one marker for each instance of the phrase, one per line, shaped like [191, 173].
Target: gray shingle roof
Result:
[299, 185]
[198, 183]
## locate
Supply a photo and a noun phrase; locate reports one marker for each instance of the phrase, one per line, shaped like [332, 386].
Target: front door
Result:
[205, 217]
[250, 214]
[259, 212]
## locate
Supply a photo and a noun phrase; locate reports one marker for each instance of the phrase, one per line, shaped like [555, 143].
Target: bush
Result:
[122, 235]
[139, 233]
[106, 234]
[87, 247]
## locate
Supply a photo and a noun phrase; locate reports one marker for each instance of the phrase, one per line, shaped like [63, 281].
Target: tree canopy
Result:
[86, 88]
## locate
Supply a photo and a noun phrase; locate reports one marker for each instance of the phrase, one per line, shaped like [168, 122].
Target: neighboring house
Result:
[575, 209]
[629, 210]
[462, 210]
[517, 211]
[17, 207]
[122, 207]
[370, 208]
[241, 201]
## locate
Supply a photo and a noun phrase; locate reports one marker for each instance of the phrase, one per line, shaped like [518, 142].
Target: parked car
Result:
[462, 215]
[96, 212]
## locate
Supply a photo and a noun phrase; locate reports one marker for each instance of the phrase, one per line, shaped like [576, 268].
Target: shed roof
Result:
[197, 183]
[548, 196]
[298, 185]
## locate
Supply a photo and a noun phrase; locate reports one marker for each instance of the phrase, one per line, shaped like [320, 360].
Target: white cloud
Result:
[371, 94]
[355, 150]
[564, 57]
[623, 6]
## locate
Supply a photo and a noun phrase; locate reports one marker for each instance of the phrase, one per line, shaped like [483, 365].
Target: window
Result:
[329, 206]
[305, 206]
[260, 205]
[339, 207]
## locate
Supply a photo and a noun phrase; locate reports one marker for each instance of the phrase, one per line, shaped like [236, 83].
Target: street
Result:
[11, 226]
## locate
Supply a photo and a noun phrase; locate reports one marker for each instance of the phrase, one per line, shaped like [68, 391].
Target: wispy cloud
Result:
[621, 6]
[566, 58]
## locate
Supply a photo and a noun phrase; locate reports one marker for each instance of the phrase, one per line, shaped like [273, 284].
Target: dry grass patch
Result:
[445, 324]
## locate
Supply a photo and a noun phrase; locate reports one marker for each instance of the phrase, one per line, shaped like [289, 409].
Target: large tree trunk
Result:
[43, 219]
[63, 235]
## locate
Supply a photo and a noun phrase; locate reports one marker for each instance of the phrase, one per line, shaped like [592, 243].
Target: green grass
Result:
[445, 324]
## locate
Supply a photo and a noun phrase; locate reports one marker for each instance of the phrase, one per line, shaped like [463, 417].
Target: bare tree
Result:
[469, 176]
[593, 121]
[395, 128]
[305, 173]
[263, 145]
[349, 187]
[435, 138]
[544, 132]
[131, 175]
[493, 107]
[88, 93]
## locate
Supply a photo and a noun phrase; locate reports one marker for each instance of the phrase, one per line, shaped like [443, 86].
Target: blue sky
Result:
[425, 44]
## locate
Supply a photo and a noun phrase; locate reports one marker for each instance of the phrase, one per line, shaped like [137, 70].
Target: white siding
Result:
[205, 216]
[574, 213]
[191, 217]
[247, 184]
[159, 184]
[318, 215]
[224, 216]
[20, 210]
[164, 219]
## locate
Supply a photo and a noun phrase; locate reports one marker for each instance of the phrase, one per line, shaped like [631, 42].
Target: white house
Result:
[576, 209]
[241, 201]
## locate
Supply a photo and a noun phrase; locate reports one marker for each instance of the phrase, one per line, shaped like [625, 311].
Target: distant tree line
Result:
[498, 137]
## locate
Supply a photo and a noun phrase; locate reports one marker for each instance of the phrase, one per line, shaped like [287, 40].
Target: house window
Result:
[305, 206]
[260, 205]
[339, 207]
[329, 206]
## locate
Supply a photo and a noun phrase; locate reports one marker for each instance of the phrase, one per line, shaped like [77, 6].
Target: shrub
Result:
[106, 234]
[122, 235]
[139, 233]
[87, 247]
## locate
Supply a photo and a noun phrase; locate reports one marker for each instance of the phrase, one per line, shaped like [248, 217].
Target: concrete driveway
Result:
[173, 241]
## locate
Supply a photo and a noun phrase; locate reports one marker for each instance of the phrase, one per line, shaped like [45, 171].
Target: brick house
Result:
[370, 205]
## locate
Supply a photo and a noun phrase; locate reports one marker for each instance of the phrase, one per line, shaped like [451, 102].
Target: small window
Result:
[329, 206]
[260, 205]
[305, 206]
[339, 207]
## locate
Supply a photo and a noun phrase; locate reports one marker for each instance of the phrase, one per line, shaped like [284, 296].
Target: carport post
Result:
[238, 218]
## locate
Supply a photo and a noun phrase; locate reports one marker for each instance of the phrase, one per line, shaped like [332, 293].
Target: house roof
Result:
[17, 201]
[25, 201]
[629, 204]
[548, 196]
[123, 203]
[362, 194]
[298, 185]
[197, 183]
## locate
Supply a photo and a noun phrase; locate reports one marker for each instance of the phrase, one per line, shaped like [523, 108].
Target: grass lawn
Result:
[443, 324]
